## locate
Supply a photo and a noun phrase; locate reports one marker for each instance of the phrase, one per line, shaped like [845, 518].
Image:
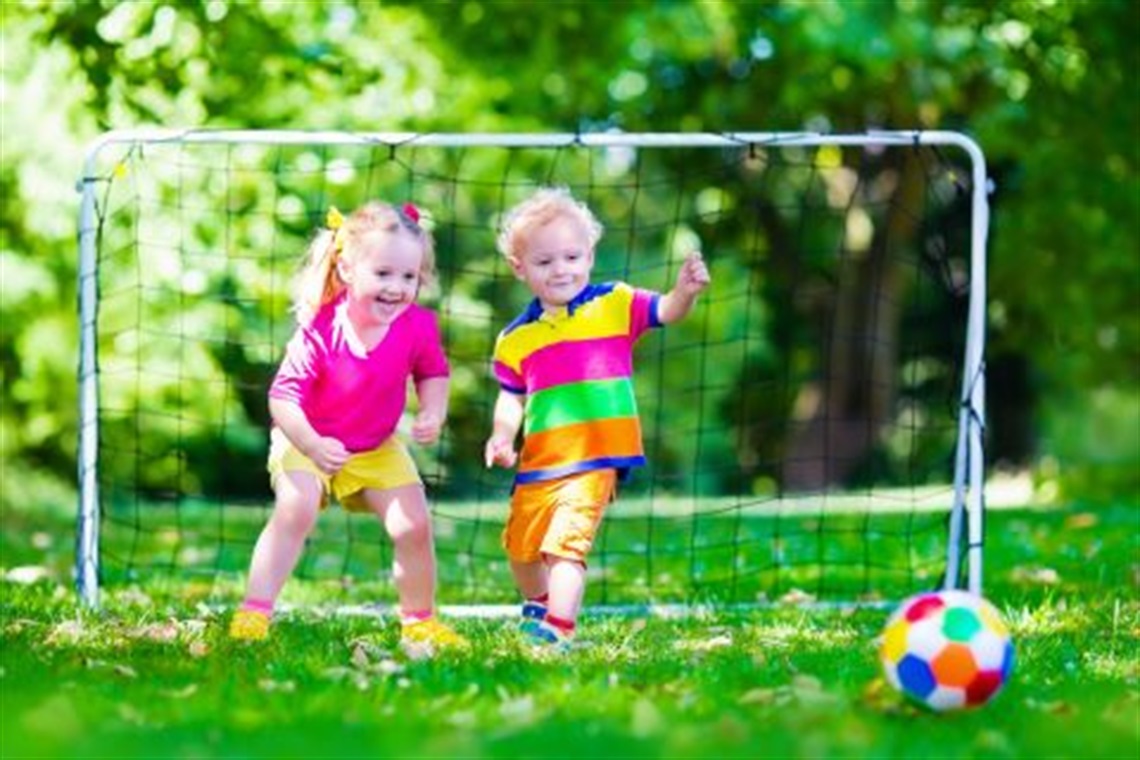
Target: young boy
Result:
[564, 366]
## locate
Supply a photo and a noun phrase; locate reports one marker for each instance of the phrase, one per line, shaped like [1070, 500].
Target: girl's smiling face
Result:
[382, 277]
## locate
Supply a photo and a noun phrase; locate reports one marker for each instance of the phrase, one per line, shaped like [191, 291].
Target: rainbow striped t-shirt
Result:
[575, 367]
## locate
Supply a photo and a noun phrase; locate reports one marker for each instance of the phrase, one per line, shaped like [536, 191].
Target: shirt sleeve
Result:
[429, 360]
[643, 306]
[299, 368]
[508, 376]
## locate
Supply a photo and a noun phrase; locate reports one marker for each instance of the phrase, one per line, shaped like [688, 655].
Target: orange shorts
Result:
[558, 517]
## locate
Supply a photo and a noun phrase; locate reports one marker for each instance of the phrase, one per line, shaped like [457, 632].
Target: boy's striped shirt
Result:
[575, 368]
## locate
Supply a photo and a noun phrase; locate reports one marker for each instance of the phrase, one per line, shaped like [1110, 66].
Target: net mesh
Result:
[800, 424]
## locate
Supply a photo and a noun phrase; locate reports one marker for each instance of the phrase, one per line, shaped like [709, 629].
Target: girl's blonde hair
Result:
[319, 282]
[543, 207]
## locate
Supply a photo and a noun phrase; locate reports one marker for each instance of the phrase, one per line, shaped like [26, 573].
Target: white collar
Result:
[343, 329]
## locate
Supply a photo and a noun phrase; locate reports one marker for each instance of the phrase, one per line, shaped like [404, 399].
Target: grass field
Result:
[153, 675]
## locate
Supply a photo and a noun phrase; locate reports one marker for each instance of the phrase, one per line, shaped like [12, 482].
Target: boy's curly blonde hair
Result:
[541, 208]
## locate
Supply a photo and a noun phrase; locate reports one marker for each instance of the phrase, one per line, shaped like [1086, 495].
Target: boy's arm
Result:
[432, 393]
[692, 278]
[328, 454]
[500, 448]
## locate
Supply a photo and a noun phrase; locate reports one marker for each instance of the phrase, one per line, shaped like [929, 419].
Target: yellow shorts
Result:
[389, 465]
[558, 517]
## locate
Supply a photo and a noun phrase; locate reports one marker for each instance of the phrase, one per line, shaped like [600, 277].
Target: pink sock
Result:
[264, 606]
[414, 616]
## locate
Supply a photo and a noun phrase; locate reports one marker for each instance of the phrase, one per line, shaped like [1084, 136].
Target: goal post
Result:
[804, 433]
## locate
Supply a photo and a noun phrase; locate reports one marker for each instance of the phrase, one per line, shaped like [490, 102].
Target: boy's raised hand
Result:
[499, 451]
[693, 277]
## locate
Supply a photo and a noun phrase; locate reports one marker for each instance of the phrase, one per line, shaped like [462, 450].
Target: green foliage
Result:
[1095, 440]
[1040, 85]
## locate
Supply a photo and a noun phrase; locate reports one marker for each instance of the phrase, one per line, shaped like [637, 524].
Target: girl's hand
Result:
[426, 428]
[500, 451]
[329, 455]
[693, 277]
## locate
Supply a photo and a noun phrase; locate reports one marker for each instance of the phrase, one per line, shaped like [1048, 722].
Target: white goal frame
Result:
[968, 501]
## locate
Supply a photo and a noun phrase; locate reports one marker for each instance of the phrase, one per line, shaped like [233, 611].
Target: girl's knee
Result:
[297, 514]
[405, 514]
[412, 529]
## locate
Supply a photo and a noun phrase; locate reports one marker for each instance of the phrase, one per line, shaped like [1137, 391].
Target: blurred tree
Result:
[1048, 89]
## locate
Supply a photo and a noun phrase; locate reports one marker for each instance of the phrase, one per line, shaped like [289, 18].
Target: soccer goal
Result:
[814, 429]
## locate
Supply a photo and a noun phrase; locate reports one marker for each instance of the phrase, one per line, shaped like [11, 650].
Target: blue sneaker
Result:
[533, 610]
[545, 637]
[532, 616]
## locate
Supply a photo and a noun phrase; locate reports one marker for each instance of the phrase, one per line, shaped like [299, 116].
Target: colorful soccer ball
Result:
[947, 650]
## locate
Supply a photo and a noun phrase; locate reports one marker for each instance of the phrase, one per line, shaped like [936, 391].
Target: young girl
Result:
[335, 403]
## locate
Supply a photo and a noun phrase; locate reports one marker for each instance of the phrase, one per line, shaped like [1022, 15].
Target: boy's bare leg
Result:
[531, 578]
[567, 584]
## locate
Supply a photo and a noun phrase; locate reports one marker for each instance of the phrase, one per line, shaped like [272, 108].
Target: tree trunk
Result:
[838, 418]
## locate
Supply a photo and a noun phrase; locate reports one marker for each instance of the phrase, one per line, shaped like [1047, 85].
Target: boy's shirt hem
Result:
[623, 465]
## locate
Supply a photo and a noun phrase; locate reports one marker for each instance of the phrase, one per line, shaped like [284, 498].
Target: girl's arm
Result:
[328, 454]
[500, 448]
[692, 278]
[432, 393]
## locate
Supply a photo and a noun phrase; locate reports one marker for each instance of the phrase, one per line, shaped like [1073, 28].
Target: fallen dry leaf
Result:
[359, 658]
[1053, 707]
[186, 691]
[162, 632]
[704, 645]
[520, 710]
[268, 684]
[1081, 520]
[27, 574]
[757, 697]
[67, 632]
[797, 596]
[1045, 576]
[126, 671]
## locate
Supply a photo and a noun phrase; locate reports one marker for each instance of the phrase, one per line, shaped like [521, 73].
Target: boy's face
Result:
[555, 262]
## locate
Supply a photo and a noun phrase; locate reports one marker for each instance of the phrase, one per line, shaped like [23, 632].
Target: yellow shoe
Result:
[425, 638]
[249, 625]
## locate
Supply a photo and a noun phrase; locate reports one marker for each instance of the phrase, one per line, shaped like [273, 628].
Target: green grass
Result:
[153, 675]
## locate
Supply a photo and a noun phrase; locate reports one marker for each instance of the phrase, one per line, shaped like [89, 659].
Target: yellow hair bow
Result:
[334, 220]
